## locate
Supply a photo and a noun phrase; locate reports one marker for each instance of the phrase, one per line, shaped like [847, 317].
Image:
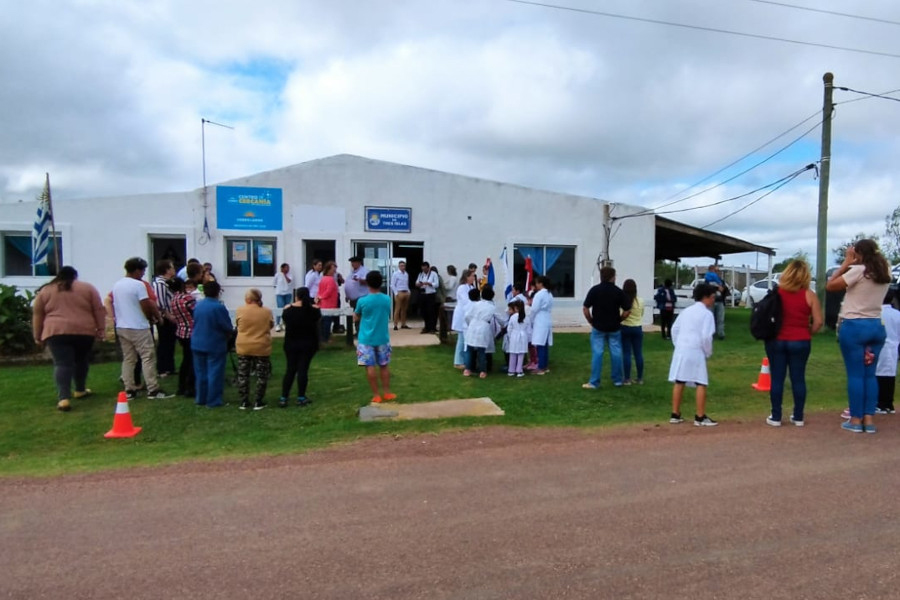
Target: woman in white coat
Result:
[542, 323]
[466, 283]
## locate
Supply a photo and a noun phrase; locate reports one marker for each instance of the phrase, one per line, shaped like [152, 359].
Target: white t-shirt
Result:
[127, 295]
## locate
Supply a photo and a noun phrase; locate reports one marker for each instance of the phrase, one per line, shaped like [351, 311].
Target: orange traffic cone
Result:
[122, 425]
[764, 383]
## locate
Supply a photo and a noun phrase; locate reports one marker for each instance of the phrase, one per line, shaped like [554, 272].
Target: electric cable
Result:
[702, 28]
[749, 204]
[869, 94]
[828, 12]
[747, 155]
[731, 199]
[866, 97]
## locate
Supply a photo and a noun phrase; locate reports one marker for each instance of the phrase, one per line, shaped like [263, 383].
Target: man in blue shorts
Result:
[371, 315]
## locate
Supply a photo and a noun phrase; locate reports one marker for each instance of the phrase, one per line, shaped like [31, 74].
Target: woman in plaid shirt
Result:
[182, 309]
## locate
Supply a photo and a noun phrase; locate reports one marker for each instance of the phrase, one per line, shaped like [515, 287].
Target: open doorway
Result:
[413, 253]
[171, 248]
[323, 250]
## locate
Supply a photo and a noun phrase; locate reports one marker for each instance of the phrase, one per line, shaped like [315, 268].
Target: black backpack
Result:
[765, 321]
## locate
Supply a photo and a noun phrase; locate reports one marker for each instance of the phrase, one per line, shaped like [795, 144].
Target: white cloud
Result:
[107, 97]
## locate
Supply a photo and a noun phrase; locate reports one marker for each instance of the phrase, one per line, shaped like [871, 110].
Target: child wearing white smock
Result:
[692, 336]
[518, 334]
[886, 369]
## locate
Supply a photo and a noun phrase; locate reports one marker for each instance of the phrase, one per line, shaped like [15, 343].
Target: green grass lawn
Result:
[36, 439]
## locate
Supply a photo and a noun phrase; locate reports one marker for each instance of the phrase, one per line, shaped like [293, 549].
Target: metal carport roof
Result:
[676, 241]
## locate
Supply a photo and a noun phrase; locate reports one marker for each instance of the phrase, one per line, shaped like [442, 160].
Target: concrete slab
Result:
[441, 409]
[374, 412]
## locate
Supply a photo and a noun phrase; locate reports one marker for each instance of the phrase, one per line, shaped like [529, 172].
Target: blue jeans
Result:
[854, 337]
[209, 369]
[477, 359]
[281, 300]
[787, 356]
[599, 340]
[719, 314]
[633, 343]
[459, 356]
[543, 353]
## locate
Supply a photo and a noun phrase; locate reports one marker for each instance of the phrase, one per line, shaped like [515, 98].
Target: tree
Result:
[841, 250]
[890, 243]
[798, 255]
[665, 269]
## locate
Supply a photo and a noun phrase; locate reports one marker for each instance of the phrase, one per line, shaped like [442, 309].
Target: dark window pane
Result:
[561, 271]
[16, 255]
[556, 262]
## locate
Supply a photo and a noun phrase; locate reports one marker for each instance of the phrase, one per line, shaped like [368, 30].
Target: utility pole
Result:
[824, 175]
[605, 260]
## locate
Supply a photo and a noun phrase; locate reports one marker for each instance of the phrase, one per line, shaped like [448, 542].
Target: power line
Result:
[828, 12]
[772, 191]
[701, 28]
[747, 155]
[732, 199]
[866, 97]
[869, 94]
[730, 179]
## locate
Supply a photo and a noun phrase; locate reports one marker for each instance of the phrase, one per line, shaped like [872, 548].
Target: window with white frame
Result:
[250, 257]
[556, 262]
[18, 252]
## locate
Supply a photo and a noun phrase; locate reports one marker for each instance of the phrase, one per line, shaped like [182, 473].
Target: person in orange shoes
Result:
[372, 315]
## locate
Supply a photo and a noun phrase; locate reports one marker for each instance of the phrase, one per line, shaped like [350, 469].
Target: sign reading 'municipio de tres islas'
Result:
[248, 208]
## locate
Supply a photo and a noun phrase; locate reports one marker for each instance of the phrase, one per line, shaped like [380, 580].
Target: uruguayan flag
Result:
[42, 226]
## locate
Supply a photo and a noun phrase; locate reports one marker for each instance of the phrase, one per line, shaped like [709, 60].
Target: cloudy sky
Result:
[108, 96]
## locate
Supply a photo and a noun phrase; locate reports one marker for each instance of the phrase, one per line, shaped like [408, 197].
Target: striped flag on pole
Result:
[43, 225]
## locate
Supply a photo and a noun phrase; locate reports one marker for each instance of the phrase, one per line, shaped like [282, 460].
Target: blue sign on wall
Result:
[248, 208]
[382, 218]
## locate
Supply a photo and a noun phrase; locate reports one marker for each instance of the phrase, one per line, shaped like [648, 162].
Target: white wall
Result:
[459, 219]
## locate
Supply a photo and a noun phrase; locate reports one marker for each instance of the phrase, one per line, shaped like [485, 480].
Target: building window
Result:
[247, 257]
[17, 255]
[556, 262]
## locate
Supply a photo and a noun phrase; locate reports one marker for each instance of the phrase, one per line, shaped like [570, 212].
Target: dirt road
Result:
[740, 511]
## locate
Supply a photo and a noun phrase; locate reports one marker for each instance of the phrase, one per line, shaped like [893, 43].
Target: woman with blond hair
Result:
[254, 347]
[801, 316]
[866, 276]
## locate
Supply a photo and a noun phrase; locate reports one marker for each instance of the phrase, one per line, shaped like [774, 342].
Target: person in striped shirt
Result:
[164, 271]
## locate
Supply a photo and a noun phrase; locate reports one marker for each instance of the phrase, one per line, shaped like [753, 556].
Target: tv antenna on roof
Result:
[205, 235]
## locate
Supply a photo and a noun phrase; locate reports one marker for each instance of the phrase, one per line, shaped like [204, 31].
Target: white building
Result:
[334, 208]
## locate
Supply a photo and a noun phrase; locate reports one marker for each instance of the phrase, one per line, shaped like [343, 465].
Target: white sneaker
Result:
[796, 422]
[773, 422]
[278, 328]
[704, 421]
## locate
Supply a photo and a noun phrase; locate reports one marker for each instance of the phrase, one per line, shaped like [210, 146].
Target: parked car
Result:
[755, 292]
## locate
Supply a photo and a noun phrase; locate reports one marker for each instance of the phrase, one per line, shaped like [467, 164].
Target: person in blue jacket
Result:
[210, 338]
[665, 302]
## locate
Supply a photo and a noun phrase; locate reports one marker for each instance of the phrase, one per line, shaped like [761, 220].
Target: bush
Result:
[15, 321]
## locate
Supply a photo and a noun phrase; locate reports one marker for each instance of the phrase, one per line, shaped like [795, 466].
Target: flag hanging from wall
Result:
[507, 282]
[43, 226]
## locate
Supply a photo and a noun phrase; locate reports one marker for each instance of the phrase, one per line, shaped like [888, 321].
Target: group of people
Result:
[69, 315]
[526, 326]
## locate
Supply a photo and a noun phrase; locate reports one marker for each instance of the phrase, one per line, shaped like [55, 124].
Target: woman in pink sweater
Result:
[68, 317]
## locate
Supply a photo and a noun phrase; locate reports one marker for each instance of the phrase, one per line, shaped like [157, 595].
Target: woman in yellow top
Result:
[254, 347]
[633, 334]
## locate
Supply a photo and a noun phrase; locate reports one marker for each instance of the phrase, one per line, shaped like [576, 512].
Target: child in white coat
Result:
[518, 333]
[479, 330]
[886, 369]
[692, 336]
